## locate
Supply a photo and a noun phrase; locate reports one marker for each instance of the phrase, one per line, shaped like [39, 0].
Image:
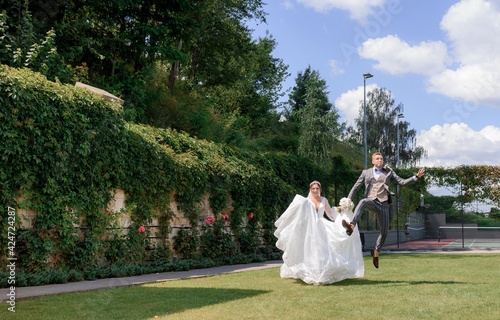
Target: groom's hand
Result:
[420, 172]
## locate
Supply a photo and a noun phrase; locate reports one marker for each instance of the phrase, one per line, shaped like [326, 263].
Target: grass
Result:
[407, 286]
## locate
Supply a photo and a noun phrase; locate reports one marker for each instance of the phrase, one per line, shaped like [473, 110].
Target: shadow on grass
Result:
[364, 282]
[138, 302]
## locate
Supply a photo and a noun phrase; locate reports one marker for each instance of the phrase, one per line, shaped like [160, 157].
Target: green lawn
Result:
[407, 286]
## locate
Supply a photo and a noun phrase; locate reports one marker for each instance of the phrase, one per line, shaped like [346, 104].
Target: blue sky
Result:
[440, 59]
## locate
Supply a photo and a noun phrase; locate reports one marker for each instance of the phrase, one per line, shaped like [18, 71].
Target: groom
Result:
[377, 198]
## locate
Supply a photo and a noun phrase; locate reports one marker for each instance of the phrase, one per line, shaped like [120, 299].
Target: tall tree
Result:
[317, 118]
[204, 43]
[382, 131]
[238, 74]
[302, 88]
[112, 39]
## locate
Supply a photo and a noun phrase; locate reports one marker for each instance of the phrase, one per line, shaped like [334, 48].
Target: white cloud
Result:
[359, 10]
[335, 68]
[473, 43]
[396, 56]
[350, 102]
[475, 84]
[457, 144]
[473, 29]
[288, 5]
[474, 33]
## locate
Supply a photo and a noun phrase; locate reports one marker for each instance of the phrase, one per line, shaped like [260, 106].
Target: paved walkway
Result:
[52, 289]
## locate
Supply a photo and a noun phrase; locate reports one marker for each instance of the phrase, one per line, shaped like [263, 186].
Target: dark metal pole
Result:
[364, 125]
[462, 201]
[400, 115]
[397, 187]
[365, 148]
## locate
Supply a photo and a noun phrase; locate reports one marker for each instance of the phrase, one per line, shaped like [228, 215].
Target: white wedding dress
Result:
[316, 250]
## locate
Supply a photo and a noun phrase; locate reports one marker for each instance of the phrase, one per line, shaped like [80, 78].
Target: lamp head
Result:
[367, 75]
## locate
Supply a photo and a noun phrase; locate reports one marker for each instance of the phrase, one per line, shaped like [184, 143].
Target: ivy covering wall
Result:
[65, 150]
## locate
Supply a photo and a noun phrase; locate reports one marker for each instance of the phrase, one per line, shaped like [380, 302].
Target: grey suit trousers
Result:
[381, 210]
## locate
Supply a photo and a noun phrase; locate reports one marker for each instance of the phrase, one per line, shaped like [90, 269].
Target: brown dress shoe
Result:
[375, 259]
[349, 227]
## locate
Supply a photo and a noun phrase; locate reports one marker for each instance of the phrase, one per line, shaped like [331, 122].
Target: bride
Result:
[316, 248]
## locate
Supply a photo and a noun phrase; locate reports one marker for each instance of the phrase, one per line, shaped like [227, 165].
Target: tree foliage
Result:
[382, 130]
[203, 46]
[27, 50]
[470, 182]
[316, 118]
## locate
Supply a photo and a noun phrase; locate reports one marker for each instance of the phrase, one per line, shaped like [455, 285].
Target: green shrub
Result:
[217, 241]
[160, 252]
[186, 243]
[75, 275]
[487, 222]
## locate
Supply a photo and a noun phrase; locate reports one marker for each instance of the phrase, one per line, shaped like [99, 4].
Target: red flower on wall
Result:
[251, 215]
[209, 220]
[141, 229]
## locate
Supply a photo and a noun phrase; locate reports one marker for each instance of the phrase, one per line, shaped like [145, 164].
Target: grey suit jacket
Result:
[366, 178]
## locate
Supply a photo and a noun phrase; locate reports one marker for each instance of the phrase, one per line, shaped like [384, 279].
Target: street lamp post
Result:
[400, 116]
[365, 76]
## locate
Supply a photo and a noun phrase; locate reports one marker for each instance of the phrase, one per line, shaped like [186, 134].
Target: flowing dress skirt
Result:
[316, 250]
